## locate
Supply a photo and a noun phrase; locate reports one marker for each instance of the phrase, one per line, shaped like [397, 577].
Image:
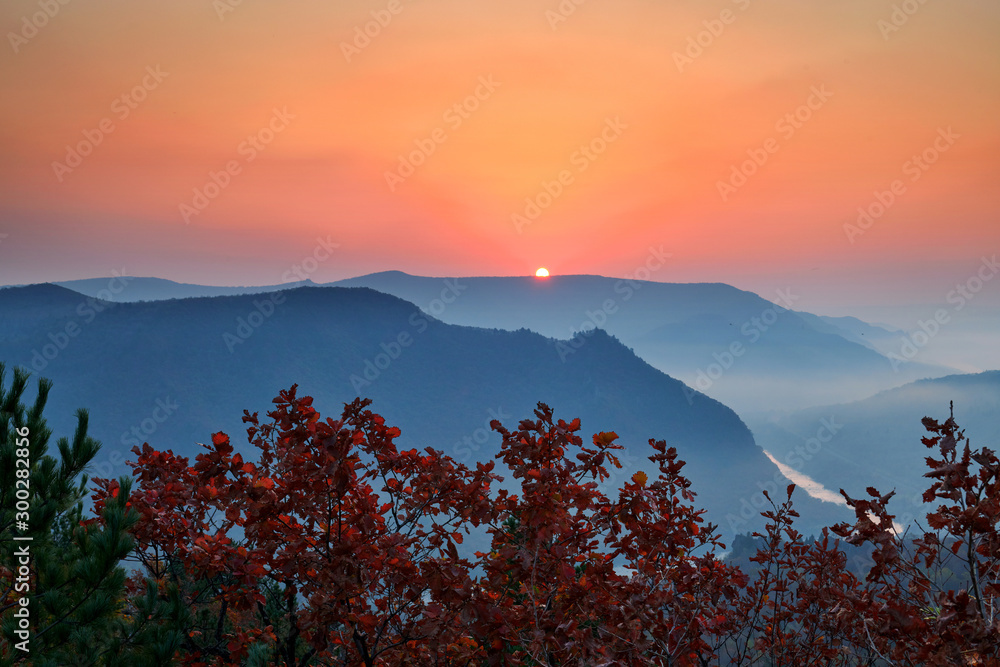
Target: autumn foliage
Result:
[333, 547]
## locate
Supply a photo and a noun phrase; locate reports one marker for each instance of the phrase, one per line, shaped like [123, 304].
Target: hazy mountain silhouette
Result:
[160, 289]
[172, 372]
[786, 359]
[687, 330]
[878, 439]
[857, 331]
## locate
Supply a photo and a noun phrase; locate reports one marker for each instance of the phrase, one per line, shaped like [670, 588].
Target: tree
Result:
[66, 568]
[804, 607]
[577, 578]
[801, 606]
[333, 547]
[918, 614]
[348, 553]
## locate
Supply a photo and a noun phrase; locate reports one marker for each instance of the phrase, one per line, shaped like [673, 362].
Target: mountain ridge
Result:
[440, 383]
[724, 341]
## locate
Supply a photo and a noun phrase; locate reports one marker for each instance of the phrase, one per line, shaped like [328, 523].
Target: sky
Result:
[849, 151]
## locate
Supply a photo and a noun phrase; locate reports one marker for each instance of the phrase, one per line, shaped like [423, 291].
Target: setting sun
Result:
[542, 273]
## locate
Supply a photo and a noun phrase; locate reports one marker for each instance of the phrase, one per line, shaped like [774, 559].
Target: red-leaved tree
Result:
[935, 599]
[333, 547]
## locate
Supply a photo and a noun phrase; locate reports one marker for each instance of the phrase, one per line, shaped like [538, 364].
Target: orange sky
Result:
[682, 126]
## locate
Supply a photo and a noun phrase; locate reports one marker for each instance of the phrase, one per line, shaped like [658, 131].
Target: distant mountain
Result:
[876, 441]
[31, 307]
[877, 337]
[172, 372]
[129, 289]
[730, 344]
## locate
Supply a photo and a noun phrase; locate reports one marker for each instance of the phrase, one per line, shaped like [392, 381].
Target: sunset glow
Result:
[217, 141]
[542, 273]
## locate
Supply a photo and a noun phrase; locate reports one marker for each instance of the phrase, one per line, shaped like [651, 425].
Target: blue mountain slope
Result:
[172, 372]
[877, 440]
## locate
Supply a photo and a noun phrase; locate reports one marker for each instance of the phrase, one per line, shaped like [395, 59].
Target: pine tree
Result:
[79, 612]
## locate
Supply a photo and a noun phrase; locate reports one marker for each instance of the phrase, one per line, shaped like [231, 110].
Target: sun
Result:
[542, 273]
